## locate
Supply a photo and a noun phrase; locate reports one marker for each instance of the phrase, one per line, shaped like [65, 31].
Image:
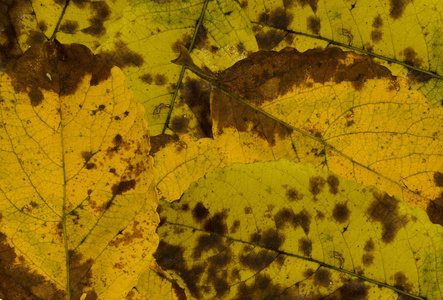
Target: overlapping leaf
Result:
[280, 230]
[77, 210]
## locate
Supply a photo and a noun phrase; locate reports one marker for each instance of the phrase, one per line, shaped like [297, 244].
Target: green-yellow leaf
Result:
[77, 211]
[281, 230]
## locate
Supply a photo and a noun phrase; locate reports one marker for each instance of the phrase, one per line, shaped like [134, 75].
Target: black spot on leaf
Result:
[369, 246]
[376, 35]
[341, 212]
[312, 3]
[285, 217]
[200, 212]
[160, 79]
[179, 124]
[293, 195]
[101, 12]
[257, 261]
[279, 18]
[146, 78]
[201, 40]
[261, 288]
[438, 179]
[271, 240]
[206, 242]
[367, 259]
[314, 25]
[354, 289]
[305, 246]
[269, 39]
[217, 224]
[401, 282]
[69, 27]
[384, 209]
[316, 184]
[235, 226]
[397, 7]
[123, 186]
[90, 166]
[378, 22]
[333, 183]
[322, 277]
[123, 57]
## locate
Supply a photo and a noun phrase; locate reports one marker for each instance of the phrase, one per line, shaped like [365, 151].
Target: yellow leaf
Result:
[77, 207]
[403, 32]
[141, 37]
[336, 110]
[280, 230]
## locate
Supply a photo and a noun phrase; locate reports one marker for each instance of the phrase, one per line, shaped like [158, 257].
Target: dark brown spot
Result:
[248, 210]
[397, 8]
[200, 212]
[179, 124]
[217, 224]
[69, 27]
[320, 215]
[369, 246]
[314, 25]
[438, 179]
[333, 183]
[401, 282]
[354, 289]
[316, 184]
[411, 57]
[417, 76]
[269, 39]
[160, 141]
[35, 38]
[305, 246]
[376, 35]
[261, 288]
[312, 3]
[185, 41]
[100, 13]
[80, 278]
[378, 22]
[257, 261]
[322, 277]
[90, 166]
[435, 210]
[286, 216]
[341, 212]
[185, 207]
[146, 78]
[196, 94]
[160, 79]
[293, 195]
[66, 65]
[123, 186]
[367, 259]
[235, 226]
[43, 26]
[206, 242]
[101, 107]
[123, 56]
[36, 96]
[201, 40]
[279, 18]
[385, 210]
[117, 140]
[271, 240]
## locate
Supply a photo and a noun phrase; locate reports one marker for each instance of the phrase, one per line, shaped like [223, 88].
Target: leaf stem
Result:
[182, 72]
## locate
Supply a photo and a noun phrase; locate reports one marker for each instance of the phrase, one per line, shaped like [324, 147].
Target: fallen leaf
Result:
[77, 211]
[281, 230]
[403, 35]
[335, 110]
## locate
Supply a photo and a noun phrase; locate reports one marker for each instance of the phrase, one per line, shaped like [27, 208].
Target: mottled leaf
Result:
[77, 217]
[281, 230]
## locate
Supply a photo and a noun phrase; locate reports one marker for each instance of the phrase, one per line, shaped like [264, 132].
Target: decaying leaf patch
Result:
[340, 240]
[77, 210]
